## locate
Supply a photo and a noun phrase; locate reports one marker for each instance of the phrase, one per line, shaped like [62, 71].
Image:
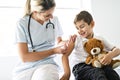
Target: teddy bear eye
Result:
[94, 50]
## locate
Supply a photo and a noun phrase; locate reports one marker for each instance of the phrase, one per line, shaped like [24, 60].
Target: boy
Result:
[85, 24]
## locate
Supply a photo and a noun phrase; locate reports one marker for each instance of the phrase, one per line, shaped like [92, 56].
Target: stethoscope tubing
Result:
[47, 25]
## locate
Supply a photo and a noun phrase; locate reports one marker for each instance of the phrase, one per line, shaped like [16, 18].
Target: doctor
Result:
[35, 38]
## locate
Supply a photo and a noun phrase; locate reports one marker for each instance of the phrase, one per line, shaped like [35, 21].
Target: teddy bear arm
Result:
[115, 63]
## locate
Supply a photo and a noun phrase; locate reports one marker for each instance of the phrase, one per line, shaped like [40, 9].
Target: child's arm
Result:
[65, 58]
[65, 62]
[115, 52]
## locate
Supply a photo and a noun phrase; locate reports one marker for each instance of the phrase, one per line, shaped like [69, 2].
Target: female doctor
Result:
[35, 38]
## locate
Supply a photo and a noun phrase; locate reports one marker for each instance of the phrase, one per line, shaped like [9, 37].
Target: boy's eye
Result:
[80, 27]
[77, 27]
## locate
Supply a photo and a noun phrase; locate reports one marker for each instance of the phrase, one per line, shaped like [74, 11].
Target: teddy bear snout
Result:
[95, 51]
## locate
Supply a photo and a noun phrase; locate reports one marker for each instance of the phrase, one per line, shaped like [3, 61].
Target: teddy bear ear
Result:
[100, 41]
[84, 43]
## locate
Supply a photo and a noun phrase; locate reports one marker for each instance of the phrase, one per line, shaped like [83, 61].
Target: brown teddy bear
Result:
[94, 48]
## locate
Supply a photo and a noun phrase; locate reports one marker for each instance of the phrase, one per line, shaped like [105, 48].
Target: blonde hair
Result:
[38, 5]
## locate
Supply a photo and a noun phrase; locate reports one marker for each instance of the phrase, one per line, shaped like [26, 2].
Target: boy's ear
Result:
[92, 24]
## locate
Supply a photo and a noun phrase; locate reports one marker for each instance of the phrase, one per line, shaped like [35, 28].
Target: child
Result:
[85, 24]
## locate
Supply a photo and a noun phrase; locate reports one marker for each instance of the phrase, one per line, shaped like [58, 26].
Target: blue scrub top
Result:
[42, 38]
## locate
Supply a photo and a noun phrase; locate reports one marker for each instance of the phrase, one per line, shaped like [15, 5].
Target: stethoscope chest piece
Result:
[50, 24]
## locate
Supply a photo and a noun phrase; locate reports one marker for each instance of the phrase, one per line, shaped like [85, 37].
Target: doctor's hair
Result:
[85, 16]
[38, 5]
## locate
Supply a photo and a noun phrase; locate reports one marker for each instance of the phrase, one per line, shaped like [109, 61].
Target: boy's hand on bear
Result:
[106, 60]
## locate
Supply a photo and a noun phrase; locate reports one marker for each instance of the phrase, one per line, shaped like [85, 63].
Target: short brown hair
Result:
[85, 16]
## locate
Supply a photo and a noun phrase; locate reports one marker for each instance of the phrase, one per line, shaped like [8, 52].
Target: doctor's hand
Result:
[66, 46]
[61, 48]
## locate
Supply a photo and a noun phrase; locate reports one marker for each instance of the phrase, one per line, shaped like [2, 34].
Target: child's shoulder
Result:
[80, 40]
[100, 37]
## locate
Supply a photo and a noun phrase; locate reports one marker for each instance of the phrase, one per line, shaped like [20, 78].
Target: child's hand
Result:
[106, 59]
[67, 45]
[72, 38]
[70, 44]
[65, 77]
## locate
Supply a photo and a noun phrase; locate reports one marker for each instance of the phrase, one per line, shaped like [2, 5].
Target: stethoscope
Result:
[49, 24]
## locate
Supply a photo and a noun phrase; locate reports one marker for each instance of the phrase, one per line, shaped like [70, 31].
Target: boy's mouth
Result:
[82, 33]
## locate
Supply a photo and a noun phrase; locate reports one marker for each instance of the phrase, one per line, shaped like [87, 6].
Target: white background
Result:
[106, 15]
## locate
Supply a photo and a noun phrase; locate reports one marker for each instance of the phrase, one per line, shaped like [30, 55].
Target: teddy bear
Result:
[95, 49]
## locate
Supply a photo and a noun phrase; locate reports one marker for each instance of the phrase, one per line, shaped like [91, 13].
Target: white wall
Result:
[7, 64]
[107, 19]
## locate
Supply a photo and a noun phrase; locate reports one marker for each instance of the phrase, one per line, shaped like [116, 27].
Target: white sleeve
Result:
[107, 45]
[20, 33]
